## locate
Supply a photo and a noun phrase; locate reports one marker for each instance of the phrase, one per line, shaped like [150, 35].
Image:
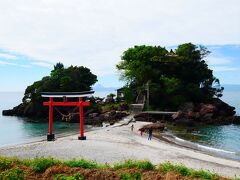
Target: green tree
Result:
[173, 77]
[61, 79]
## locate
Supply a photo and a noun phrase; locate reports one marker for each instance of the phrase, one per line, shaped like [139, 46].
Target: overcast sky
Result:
[35, 34]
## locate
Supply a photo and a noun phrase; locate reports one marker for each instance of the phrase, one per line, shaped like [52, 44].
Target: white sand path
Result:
[114, 144]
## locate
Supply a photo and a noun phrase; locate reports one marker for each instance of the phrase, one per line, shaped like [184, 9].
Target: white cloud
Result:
[218, 60]
[7, 56]
[94, 33]
[223, 68]
[25, 65]
[42, 64]
[14, 64]
[7, 63]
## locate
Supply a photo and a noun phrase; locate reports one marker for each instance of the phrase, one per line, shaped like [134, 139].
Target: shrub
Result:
[146, 165]
[12, 174]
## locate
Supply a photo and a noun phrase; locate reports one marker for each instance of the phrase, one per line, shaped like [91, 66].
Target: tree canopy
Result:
[173, 77]
[73, 78]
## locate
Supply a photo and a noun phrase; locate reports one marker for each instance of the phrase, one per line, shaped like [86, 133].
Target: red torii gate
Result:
[80, 103]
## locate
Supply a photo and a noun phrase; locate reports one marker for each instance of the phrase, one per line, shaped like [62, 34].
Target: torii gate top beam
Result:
[67, 94]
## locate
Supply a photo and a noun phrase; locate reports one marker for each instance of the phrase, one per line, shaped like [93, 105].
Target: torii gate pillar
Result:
[81, 119]
[50, 136]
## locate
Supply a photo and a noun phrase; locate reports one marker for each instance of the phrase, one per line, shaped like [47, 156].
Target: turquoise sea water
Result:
[222, 140]
[14, 130]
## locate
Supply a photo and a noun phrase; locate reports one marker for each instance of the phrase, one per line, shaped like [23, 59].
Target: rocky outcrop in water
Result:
[27, 110]
[216, 113]
[189, 114]
[36, 112]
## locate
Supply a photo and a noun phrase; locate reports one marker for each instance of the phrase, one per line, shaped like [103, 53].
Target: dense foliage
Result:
[173, 77]
[61, 79]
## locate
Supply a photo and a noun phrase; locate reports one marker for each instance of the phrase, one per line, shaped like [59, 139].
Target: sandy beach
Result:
[117, 143]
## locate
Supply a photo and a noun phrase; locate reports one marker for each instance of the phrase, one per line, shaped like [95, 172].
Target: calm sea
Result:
[15, 130]
[219, 140]
[223, 140]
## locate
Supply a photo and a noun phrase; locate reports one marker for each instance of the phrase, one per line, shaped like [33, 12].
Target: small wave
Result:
[215, 149]
[202, 147]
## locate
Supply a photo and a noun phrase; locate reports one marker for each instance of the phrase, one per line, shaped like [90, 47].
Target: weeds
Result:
[128, 176]
[203, 174]
[7, 162]
[76, 176]
[12, 174]
[84, 164]
[40, 164]
[184, 171]
[146, 165]
[8, 168]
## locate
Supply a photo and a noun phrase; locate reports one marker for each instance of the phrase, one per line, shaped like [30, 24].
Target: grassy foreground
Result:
[49, 168]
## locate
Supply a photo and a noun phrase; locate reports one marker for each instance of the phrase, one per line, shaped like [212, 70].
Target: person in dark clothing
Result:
[150, 134]
[132, 127]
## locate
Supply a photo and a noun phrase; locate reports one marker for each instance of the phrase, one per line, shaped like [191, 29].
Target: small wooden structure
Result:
[65, 95]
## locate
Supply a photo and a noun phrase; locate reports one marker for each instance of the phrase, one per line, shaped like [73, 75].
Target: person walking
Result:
[150, 133]
[132, 127]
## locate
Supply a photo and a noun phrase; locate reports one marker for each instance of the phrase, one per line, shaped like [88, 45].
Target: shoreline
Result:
[221, 153]
[117, 143]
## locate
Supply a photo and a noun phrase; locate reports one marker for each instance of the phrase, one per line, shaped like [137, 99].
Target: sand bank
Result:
[117, 143]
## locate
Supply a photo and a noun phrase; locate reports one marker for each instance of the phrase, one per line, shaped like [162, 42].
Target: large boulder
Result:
[92, 115]
[184, 122]
[206, 109]
[8, 112]
[157, 126]
[223, 108]
[186, 107]
[236, 120]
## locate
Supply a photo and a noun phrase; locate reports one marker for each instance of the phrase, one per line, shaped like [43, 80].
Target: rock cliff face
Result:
[216, 113]
[31, 110]
[92, 117]
[110, 117]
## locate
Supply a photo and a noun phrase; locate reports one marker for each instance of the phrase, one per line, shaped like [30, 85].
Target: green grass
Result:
[12, 174]
[76, 176]
[40, 164]
[146, 165]
[184, 171]
[128, 176]
[85, 164]
[10, 168]
[7, 162]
